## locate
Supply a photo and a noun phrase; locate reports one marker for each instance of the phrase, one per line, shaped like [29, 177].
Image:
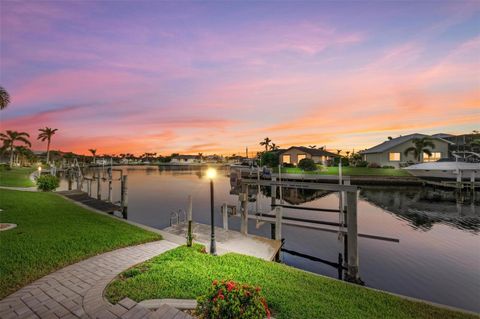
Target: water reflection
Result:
[425, 206]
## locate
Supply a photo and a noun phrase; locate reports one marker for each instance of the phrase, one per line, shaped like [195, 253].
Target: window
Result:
[300, 157]
[394, 157]
[435, 157]
[286, 159]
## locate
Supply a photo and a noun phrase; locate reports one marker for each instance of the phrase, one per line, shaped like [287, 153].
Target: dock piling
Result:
[352, 231]
[99, 186]
[225, 216]
[124, 197]
[189, 220]
[244, 209]
[110, 177]
[278, 222]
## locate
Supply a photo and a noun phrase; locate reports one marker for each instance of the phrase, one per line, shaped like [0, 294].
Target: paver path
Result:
[76, 290]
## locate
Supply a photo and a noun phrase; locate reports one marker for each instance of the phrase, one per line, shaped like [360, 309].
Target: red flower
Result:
[221, 297]
[215, 282]
[230, 286]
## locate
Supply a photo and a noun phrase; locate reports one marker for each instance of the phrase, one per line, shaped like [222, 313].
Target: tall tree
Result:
[4, 98]
[46, 134]
[10, 137]
[420, 146]
[266, 142]
[94, 153]
[274, 147]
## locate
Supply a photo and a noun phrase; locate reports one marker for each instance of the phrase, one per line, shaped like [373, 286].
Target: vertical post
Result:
[225, 216]
[472, 181]
[213, 246]
[244, 209]
[340, 182]
[352, 230]
[278, 223]
[189, 219]
[189, 208]
[110, 176]
[274, 192]
[459, 179]
[89, 187]
[99, 186]
[124, 197]
[345, 182]
[79, 183]
[69, 180]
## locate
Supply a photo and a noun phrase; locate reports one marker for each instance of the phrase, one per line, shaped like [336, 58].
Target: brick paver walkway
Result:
[76, 291]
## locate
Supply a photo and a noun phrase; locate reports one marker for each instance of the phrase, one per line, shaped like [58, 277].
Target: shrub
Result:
[47, 182]
[288, 165]
[388, 166]
[374, 165]
[361, 164]
[269, 159]
[229, 300]
[307, 164]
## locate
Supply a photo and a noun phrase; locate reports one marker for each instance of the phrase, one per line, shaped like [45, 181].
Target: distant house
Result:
[392, 152]
[295, 154]
[186, 159]
[213, 158]
[236, 159]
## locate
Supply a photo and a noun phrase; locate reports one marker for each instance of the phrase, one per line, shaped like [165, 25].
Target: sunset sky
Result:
[215, 77]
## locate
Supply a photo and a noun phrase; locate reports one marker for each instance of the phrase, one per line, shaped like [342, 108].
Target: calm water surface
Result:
[437, 259]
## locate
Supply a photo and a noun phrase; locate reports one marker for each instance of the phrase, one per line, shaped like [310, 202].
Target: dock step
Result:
[83, 198]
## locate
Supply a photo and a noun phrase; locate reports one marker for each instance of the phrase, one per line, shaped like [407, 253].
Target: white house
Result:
[186, 159]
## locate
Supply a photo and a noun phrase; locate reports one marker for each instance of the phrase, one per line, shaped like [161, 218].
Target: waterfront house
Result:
[295, 154]
[186, 159]
[392, 151]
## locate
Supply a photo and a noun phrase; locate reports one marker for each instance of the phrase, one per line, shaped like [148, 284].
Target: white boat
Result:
[446, 170]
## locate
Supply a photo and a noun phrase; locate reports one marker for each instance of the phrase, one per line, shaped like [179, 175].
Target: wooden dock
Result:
[229, 240]
[83, 198]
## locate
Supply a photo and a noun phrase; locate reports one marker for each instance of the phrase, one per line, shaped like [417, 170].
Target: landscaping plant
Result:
[231, 300]
[47, 183]
[307, 164]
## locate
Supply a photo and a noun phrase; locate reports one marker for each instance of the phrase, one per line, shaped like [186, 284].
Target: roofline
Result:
[429, 136]
[298, 147]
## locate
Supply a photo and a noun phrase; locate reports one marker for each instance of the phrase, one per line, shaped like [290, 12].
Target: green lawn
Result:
[16, 177]
[350, 171]
[52, 233]
[291, 293]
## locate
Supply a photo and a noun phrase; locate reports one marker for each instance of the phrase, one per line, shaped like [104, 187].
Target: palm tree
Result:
[274, 147]
[94, 152]
[4, 98]
[11, 137]
[46, 134]
[266, 142]
[420, 147]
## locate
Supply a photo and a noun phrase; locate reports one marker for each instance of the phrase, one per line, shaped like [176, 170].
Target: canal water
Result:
[437, 258]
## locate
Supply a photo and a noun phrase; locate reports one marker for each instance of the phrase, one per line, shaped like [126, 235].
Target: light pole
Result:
[211, 173]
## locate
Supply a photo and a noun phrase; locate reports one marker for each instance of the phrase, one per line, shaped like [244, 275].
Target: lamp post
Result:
[39, 171]
[211, 173]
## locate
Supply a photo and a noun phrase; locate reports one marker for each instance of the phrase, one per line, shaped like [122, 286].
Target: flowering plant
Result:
[231, 300]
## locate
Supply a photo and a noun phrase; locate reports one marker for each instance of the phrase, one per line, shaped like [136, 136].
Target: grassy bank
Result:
[350, 171]
[291, 293]
[16, 177]
[52, 233]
